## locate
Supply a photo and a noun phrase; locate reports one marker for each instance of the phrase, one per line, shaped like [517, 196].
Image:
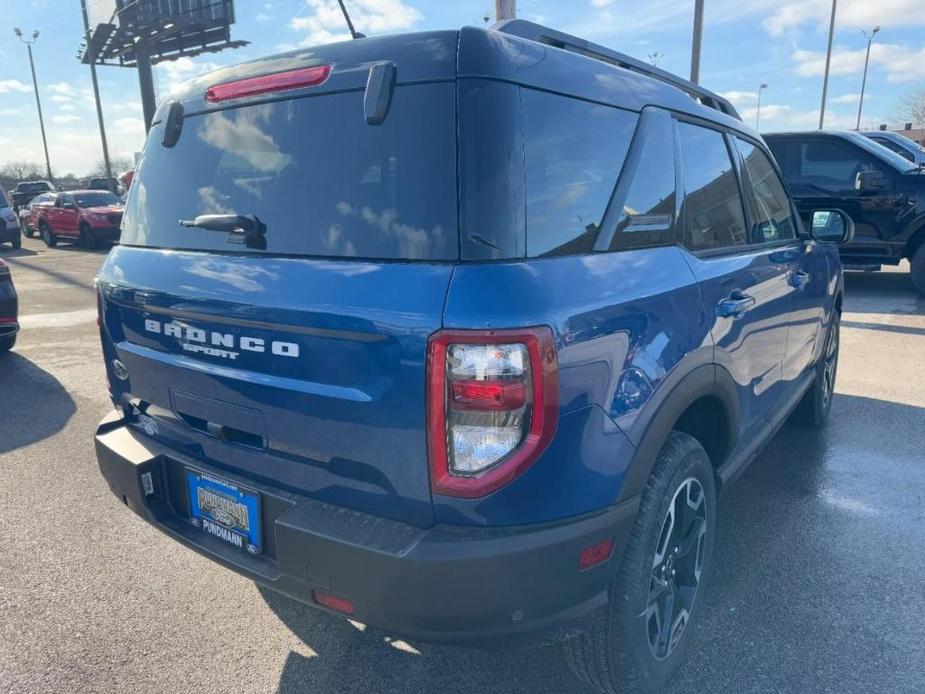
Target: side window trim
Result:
[648, 121]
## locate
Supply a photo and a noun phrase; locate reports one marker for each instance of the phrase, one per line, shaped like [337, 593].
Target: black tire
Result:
[87, 237]
[6, 343]
[917, 269]
[813, 410]
[28, 231]
[48, 236]
[616, 655]
[17, 242]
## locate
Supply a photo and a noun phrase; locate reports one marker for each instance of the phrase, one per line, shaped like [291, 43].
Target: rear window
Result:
[323, 181]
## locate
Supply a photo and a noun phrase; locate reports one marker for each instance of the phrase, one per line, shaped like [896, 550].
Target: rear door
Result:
[744, 285]
[301, 364]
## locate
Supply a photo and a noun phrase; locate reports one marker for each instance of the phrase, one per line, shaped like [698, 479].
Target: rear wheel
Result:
[17, 242]
[918, 268]
[640, 641]
[813, 410]
[48, 236]
[6, 343]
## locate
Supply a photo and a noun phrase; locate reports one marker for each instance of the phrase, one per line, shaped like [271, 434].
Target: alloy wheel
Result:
[676, 568]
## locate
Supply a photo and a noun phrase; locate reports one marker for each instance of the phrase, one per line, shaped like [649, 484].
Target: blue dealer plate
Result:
[224, 510]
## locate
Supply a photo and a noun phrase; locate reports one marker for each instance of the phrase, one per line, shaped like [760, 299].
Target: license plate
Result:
[224, 510]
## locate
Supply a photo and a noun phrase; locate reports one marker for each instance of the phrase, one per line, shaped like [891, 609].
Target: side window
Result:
[647, 196]
[892, 146]
[712, 204]
[773, 214]
[574, 151]
[831, 166]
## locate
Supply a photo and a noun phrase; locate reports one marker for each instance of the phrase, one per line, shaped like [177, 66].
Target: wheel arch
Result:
[916, 240]
[703, 404]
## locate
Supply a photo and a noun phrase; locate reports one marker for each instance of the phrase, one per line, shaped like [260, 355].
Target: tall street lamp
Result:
[758, 111]
[870, 38]
[38, 101]
[828, 60]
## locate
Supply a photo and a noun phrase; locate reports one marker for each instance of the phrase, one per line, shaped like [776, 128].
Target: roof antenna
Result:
[353, 32]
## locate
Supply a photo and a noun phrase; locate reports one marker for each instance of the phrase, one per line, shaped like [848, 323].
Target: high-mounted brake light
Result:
[492, 406]
[277, 82]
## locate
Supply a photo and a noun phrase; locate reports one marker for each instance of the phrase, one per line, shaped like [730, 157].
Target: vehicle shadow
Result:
[33, 404]
[9, 252]
[887, 292]
[817, 517]
[354, 660]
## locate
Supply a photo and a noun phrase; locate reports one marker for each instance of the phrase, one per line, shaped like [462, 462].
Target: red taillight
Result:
[280, 81]
[595, 554]
[332, 602]
[7, 321]
[488, 395]
[492, 406]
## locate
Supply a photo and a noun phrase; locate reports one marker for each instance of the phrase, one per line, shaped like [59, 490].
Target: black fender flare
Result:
[702, 381]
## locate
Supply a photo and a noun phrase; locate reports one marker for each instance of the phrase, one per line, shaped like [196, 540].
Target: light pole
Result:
[38, 101]
[91, 54]
[758, 111]
[697, 41]
[870, 38]
[828, 60]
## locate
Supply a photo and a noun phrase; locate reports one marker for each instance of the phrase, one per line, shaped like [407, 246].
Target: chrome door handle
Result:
[736, 305]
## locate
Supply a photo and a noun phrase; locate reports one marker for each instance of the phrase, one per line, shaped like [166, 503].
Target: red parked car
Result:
[87, 216]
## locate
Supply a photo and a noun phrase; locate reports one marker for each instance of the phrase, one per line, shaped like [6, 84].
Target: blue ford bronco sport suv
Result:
[459, 334]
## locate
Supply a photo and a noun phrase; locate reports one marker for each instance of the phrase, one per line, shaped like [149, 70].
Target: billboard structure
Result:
[140, 33]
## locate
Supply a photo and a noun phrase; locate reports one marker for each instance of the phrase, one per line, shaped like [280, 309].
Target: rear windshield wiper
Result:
[246, 229]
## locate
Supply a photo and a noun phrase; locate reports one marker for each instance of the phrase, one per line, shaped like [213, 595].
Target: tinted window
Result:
[772, 211]
[830, 165]
[574, 153]
[712, 204]
[96, 199]
[894, 147]
[323, 181]
[648, 207]
[3, 202]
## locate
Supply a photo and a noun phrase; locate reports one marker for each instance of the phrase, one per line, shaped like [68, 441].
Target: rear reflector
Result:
[488, 395]
[595, 554]
[332, 602]
[277, 82]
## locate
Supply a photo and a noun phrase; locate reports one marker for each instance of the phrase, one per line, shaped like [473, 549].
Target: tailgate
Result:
[304, 373]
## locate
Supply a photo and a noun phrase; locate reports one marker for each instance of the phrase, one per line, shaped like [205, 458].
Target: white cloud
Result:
[901, 63]
[10, 111]
[263, 17]
[849, 98]
[64, 119]
[66, 107]
[61, 88]
[776, 117]
[739, 98]
[602, 3]
[7, 86]
[130, 126]
[327, 24]
[60, 98]
[851, 14]
[183, 69]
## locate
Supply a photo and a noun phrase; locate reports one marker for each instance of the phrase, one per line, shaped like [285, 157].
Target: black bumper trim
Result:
[450, 584]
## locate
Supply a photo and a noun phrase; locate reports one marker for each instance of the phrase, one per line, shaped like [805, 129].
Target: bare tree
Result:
[911, 108]
[22, 170]
[117, 163]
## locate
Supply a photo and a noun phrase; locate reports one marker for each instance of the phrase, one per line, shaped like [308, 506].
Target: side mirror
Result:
[870, 181]
[832, 226]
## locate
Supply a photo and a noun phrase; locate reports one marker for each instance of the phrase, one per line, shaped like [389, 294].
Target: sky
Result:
[745, 43]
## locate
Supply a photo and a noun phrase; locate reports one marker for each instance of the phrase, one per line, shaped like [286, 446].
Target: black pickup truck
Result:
[26, 190]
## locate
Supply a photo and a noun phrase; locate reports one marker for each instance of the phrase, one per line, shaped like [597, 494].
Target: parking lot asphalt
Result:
[819, 582]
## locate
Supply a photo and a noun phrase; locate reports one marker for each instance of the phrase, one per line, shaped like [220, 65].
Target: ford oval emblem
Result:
[119, 370]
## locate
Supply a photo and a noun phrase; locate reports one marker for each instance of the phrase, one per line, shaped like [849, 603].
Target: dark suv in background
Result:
[459, 333]
[881, 191]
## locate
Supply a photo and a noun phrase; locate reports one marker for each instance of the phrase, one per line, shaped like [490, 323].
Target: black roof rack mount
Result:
[558, 39]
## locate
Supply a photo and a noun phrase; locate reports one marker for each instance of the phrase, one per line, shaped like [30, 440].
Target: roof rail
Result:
[558, 39]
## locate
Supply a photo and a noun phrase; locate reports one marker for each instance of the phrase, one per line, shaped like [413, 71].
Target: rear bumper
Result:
[450, 584]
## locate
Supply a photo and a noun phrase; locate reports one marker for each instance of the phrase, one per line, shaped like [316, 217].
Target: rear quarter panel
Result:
[627, 326]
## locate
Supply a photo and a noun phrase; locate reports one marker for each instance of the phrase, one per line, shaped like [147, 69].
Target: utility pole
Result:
[870, 38]
[505, 9]
[38, 101]
[758, 112]
[828, 60]
[697, 41]
[91, 53]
